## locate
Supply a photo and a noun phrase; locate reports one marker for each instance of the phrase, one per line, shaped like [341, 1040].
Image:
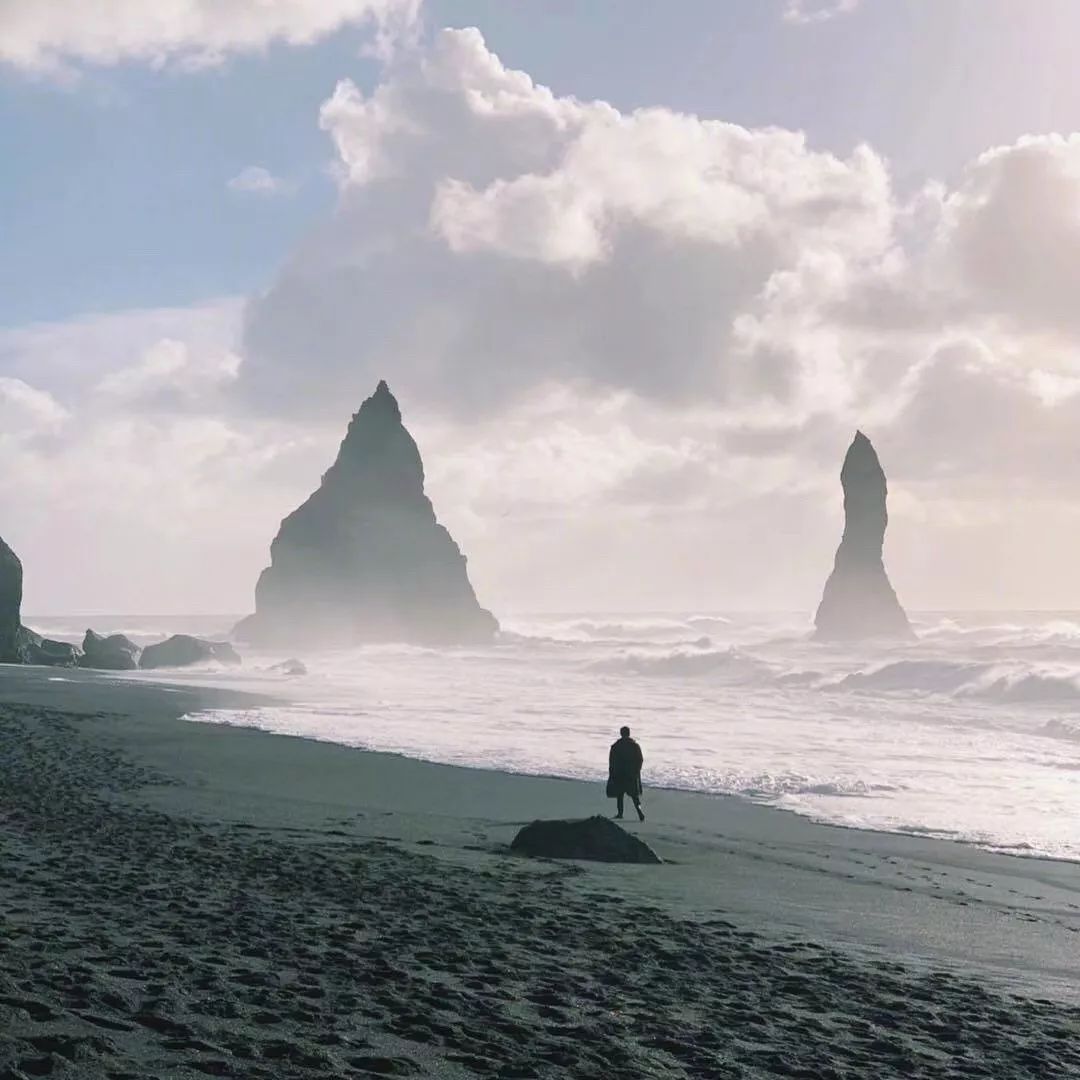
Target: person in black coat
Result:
[624, 773]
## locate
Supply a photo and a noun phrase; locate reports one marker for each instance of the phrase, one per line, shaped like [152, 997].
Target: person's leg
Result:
[618, 805]
[637, 807]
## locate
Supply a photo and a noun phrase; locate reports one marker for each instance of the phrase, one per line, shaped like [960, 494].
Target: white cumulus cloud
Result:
[493, 237]
[52, 35]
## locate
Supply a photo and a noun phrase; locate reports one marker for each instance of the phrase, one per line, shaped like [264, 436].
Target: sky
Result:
[636, 273]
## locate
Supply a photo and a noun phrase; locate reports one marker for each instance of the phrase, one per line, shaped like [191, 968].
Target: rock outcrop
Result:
[112, 653]
[48, 653]
[16, 641]
[596, 838]
[182, 650]
[364, 558]
[859, 601]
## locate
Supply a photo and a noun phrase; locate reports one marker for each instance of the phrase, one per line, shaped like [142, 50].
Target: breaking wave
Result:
[1013, 634]
[1005, 683]
[731, 664]
[768, 786]
[641, 631]
[1061, 728]
[993, 683]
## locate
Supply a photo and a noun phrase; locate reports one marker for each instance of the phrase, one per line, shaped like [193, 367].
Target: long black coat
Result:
[624, 768]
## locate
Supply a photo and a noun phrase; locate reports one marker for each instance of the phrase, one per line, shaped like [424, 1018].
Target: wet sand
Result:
[184, 900]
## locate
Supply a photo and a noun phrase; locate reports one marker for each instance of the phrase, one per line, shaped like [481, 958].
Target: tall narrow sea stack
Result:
[364, 559]
[13, 639]
[859, 601]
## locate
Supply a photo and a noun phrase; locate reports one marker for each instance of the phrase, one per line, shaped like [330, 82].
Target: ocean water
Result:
[972, 732]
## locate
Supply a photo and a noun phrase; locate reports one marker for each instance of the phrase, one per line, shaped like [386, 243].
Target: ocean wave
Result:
[637, 630]
[515, 638]
[797, 677]
[1061, 728]
[772, 787]
[628, 630]
[683, 663]
[1004, 683]
[1025, 687]
[910, 676]
[1021, 635]
[996, 682]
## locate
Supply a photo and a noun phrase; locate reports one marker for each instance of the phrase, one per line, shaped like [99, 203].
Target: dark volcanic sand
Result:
[138, 943]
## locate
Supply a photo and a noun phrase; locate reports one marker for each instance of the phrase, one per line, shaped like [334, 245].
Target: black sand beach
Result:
[184, 900]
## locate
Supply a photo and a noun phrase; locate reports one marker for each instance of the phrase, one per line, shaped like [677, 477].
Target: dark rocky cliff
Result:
[364, 558]
[12, 641]
[859, 601]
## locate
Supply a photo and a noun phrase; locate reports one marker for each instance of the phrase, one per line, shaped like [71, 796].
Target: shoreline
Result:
[896, 890]
[210, 699]
[915, 834]
[183, 899]
[939, 836]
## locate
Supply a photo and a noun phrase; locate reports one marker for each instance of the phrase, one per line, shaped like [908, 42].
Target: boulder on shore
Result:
[112, 653]
[182, 650]
[597, 838]
[859, 601]
[49, 653]
[364, 558]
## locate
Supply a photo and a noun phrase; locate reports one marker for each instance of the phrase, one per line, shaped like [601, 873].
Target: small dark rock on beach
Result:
[596, 838]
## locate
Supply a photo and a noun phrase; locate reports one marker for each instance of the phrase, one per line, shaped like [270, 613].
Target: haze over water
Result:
[972, 732]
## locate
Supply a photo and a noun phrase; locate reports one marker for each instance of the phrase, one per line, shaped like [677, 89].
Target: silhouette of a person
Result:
[624, 773]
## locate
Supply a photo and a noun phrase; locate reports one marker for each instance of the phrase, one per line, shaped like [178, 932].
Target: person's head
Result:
[624, 732]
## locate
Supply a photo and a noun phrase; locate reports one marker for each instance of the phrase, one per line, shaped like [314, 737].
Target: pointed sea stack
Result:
[859, 601]
[364, 559]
